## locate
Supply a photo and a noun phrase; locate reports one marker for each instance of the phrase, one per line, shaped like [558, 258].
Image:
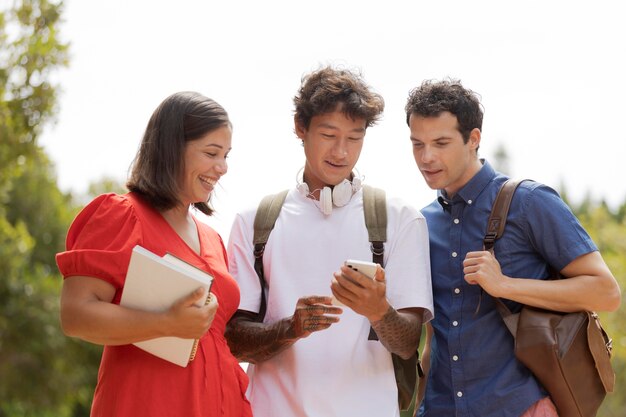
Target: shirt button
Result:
[455, 323]
[469, 201]
[455, 358]
[456, 221]
[457, 291]
[454, 254]
[459, 394]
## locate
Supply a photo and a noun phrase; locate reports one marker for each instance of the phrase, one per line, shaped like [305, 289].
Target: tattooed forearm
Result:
[399, 331]
[254, 342]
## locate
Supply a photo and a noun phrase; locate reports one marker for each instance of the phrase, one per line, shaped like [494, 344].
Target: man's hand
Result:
[313, 314]
[482, 268]
[254, 342]
[364, 295]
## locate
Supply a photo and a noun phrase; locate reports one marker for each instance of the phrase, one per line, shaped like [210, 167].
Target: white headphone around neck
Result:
[338, 196]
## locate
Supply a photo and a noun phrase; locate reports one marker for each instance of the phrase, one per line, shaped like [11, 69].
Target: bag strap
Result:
[499, 213]
[406, 371]
[375, 212]
[599, 342]
[264, 222]
[495, 229]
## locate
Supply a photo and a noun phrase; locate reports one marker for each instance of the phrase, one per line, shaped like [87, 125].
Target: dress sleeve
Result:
[101, 239]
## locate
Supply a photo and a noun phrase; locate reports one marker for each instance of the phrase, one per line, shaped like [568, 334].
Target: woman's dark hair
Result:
[158, 166]
[329, 89]
[435, 97]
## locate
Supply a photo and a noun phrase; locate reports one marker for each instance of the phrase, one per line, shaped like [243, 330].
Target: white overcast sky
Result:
[550, 73]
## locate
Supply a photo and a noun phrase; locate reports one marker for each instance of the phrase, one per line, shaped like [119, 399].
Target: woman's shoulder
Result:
[110, 206]
[106, 213]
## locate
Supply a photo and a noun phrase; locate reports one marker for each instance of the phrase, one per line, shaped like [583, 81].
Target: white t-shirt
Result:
[338, 371]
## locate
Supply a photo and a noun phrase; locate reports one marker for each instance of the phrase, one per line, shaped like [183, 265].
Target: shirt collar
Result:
[471, 190]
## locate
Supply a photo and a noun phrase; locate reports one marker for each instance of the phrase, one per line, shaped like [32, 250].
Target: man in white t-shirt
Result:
[310, 356]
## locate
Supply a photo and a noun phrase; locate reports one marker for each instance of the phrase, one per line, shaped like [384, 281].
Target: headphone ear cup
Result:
[342, 193]
[326, 201]
[303, 188]
[356, 184]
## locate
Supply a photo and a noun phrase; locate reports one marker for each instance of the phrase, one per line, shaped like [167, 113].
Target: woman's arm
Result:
[87, 313]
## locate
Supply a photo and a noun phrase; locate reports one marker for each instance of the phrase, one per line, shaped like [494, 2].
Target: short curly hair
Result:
[435, 97]
[329, 89]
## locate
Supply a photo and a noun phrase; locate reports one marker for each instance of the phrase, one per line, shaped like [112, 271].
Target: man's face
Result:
[332, 145]
[445, 161]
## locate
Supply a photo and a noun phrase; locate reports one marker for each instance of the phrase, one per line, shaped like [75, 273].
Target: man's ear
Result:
[299, 129]
[474, 138]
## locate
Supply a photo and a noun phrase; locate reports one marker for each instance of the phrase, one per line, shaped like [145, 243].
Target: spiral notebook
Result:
[154, 283]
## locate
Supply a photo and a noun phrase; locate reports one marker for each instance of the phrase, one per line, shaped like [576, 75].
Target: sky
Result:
[550, 75]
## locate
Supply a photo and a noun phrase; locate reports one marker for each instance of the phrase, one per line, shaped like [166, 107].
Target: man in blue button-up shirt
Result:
[473, 370]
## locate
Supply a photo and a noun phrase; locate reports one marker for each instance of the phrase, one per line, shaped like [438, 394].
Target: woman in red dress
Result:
[182, 157]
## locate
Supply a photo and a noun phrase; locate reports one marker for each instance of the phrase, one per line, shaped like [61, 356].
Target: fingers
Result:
[315, 324]
[313, 314]
[380, 274]
[197, 298]
[212, 300]
[315, 299]
[317, 306]
[192, 315]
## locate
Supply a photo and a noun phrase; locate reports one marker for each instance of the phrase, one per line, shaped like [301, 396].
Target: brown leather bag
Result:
[569, 353]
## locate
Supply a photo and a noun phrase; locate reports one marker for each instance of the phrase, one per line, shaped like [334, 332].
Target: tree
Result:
[608, 229]
[501, 160]
[43, 373]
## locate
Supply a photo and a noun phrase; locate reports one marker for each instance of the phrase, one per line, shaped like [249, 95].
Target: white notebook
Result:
[154, 283]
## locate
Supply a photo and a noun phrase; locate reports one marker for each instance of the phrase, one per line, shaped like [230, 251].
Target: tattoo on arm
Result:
[399, 331]
[254, 342]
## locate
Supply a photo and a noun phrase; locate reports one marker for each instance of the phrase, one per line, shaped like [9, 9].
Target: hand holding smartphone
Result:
[366, 268]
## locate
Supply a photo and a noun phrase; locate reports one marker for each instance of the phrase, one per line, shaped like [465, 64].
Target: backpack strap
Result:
[264, 222]
[375, 211]
[406, 371]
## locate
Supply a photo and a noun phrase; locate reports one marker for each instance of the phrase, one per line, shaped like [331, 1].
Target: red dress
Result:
[131, 382]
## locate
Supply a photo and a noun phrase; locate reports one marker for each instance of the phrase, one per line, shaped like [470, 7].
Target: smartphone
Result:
[366, 268]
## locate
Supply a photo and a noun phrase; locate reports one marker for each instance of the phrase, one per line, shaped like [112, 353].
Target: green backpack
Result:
[375, 211]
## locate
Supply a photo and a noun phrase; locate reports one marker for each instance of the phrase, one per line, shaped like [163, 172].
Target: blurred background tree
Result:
[42, 372]
[608, 230]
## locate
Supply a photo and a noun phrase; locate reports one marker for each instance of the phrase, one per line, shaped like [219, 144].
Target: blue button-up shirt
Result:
[473, 368]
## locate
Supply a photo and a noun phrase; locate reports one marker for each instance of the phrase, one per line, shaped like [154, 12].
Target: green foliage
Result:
[42, 372]
[608, 230]
[29, 51]
[36, 197]
[105, 185]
